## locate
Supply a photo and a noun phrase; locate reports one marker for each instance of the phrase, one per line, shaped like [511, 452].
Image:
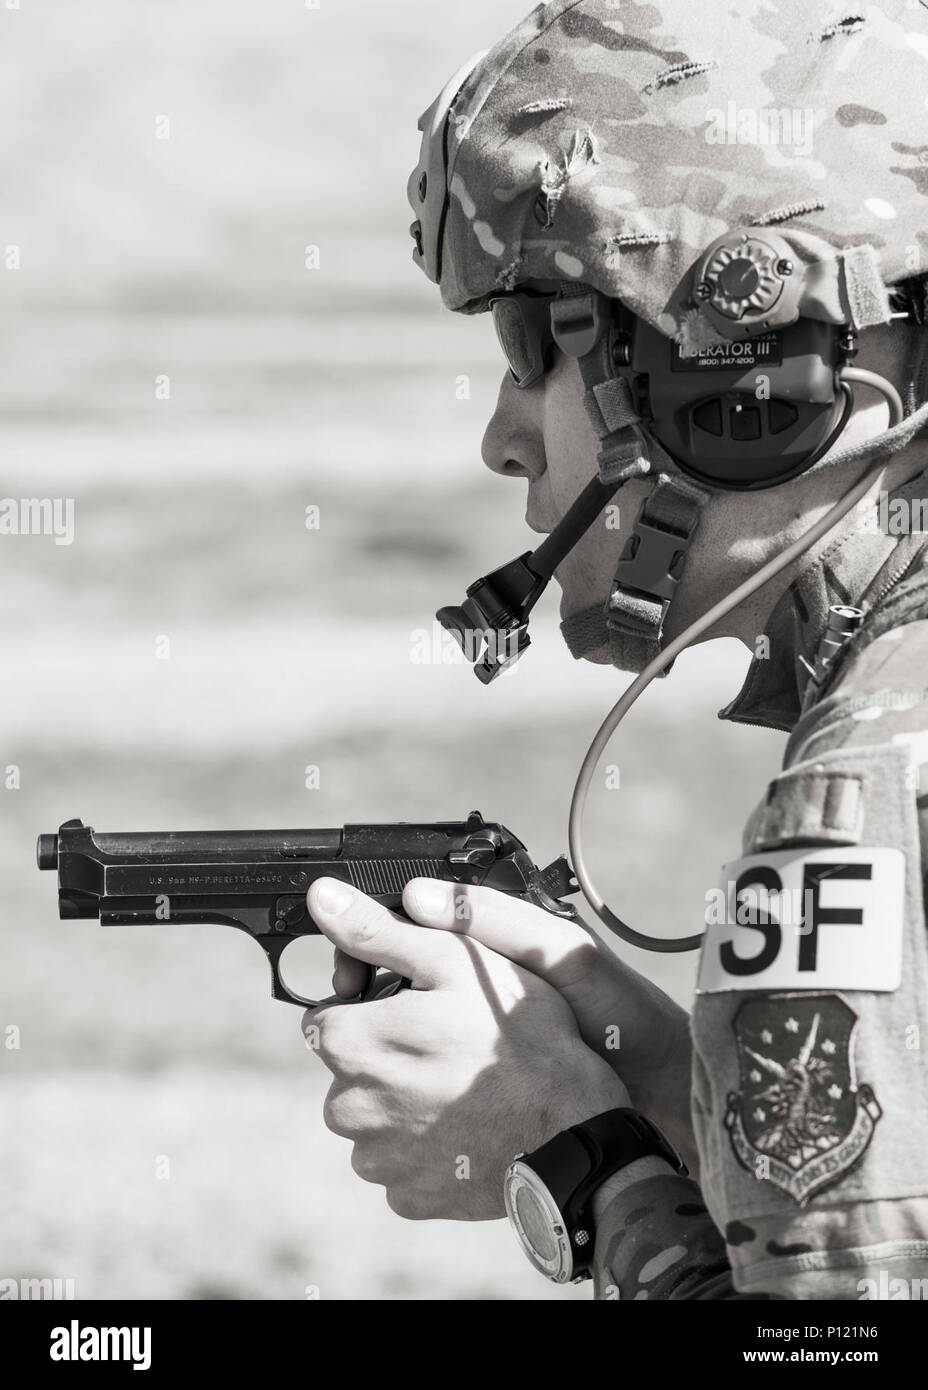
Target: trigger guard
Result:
[380, 985]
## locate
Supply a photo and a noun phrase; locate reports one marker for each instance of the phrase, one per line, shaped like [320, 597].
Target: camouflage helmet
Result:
[611, 143]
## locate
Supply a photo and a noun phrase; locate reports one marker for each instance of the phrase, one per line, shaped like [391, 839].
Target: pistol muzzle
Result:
[46, 851]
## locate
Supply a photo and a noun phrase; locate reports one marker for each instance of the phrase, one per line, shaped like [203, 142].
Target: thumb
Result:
[366, 930]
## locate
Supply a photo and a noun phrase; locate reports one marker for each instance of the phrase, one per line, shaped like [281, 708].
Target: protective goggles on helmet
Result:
[531, 323]
[523, 327]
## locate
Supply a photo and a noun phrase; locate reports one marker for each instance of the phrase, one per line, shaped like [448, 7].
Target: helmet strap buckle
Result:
[578, 321]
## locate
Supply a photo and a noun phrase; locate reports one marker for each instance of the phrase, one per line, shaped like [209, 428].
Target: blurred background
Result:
[170, 363]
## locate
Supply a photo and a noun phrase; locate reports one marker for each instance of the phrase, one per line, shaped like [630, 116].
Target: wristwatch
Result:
[549, 1193]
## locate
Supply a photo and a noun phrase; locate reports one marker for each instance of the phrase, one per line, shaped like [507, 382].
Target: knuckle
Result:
[339, 1112]
[336, 1040]
[325, 1042]
[489, 909]
[368, 920]
[366, 1164]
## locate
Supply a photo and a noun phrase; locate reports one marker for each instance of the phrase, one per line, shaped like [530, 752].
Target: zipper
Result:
[870, 606]
[896, 577]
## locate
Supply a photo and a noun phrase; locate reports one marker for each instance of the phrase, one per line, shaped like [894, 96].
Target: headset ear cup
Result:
[747, 414]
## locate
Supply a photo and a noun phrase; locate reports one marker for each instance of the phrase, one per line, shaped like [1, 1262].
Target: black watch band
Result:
[622, 1136]
[608, 1142]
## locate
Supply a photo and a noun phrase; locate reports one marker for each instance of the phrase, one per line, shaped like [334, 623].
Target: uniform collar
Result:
[853, 568]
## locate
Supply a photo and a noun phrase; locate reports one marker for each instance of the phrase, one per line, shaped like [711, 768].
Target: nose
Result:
[513, 443]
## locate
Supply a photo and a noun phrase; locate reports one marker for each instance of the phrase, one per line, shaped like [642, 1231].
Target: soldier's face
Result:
[543, 434]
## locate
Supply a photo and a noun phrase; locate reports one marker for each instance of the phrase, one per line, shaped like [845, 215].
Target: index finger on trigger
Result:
[349, 976]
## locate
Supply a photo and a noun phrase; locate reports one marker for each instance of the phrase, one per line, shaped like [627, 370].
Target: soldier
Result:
[687, 221]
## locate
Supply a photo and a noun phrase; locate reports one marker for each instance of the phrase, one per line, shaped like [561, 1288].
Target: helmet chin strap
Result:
[630, 624]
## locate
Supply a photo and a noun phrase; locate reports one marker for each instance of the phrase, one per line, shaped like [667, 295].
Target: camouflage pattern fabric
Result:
[658, 1243]
[831, 1219]
[610, 142]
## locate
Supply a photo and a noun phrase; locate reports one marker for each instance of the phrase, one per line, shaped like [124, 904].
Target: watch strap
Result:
[588, 1153]
[619, 1137]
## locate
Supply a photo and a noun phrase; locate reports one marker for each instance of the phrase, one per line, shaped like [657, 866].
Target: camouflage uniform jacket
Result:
[809, 1087]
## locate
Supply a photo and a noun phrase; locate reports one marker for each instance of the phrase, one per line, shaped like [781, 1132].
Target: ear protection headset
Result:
[746, 414]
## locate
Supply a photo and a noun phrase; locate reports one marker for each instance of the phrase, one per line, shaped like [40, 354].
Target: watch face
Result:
[538, 1223]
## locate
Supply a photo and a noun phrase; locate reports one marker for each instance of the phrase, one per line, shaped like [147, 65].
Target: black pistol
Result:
[257, 879]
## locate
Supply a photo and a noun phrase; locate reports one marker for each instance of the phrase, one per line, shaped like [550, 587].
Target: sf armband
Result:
[810, 1089]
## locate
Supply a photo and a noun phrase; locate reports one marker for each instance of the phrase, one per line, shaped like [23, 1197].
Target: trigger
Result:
[387, 984]
[368, 989]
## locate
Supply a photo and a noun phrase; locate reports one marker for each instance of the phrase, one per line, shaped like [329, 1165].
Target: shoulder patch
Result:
[800, 1120]
[807, 918]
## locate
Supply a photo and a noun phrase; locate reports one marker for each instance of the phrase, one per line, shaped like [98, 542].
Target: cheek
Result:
[570, 442]
[587, 572]
[585, 575]
[565, 481]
